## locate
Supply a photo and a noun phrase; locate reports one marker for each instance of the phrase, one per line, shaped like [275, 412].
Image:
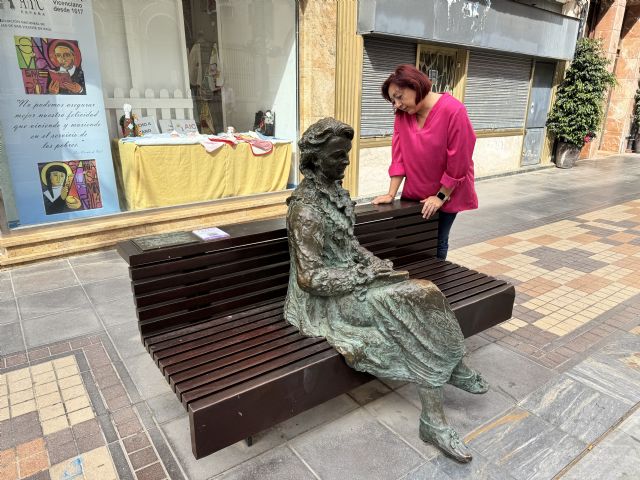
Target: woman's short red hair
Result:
[408, 76]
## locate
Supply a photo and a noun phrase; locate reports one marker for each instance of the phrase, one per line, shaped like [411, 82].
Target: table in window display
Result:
[163, 175]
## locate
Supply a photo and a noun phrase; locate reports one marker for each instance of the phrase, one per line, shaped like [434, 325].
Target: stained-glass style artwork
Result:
[69, 186]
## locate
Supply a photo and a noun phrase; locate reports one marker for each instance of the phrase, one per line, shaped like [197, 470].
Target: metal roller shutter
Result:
[497, 90]
[381, 57]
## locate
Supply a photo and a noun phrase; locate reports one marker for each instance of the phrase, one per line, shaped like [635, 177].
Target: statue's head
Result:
[324, 149]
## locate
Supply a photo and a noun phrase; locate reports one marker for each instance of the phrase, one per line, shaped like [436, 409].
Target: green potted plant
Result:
[635, 128]
[577, 111]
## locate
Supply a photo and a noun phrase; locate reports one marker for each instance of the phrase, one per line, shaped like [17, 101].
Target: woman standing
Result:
[431, 150]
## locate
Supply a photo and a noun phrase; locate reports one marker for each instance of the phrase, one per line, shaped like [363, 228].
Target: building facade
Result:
[73, 179]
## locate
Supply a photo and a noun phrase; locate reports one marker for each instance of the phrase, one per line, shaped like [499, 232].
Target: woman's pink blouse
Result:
[438, 154]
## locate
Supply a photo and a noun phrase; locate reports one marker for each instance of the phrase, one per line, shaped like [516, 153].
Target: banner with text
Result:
[52, 112]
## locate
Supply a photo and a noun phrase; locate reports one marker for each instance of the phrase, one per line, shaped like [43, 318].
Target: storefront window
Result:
[117, 106]
[440, 65]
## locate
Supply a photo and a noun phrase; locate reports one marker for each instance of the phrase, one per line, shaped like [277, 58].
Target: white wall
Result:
[492, 155]
[258, 50]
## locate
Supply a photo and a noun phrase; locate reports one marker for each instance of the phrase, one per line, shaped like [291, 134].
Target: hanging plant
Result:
[578, 109]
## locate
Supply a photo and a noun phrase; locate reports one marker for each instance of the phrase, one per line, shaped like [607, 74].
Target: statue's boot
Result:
[468, 379]
[434, 428]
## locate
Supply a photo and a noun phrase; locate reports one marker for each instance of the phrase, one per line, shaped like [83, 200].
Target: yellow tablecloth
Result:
[162, 175]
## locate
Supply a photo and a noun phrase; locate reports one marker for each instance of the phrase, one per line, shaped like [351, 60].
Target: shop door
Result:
[539, 100]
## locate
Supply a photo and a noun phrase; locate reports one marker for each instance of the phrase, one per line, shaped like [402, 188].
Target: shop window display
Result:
[100, 102]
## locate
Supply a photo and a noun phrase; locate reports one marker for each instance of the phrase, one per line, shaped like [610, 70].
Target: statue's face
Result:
[334, 158]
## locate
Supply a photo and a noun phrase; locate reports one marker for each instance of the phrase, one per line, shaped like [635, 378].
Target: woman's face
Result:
[403, 99]
[333, 159]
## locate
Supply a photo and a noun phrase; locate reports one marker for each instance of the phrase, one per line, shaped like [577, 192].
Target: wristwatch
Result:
[441, 196]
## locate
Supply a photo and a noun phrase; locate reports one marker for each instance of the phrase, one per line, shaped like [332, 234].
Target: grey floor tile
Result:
[126, 340]
[277, 464]
[321, 414]
[8, 311]
[177, 433]
[369, 392]
[475, 342]
[507, 372]
[616, 457]
[116, 312]
[6, 290]
[631, 426]
[427, 471]
[40, 267]
[146, 376]
[575, 408]
[107, 290]
[60, 326]
[608, 376]
[95, 272]
[359, 448]
[478, 469]
[11, 339]
[93, 257]
[403, 418]
[165, 407]
[55, 301]
[42, 281]
[465, 411]
[526, 446]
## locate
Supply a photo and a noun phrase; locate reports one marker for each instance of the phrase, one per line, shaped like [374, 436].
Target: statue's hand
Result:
[381, 266]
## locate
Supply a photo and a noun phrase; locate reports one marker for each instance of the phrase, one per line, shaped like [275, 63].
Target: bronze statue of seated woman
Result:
[382, 322]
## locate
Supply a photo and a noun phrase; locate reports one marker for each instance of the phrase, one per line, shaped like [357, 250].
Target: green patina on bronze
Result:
[382, 322]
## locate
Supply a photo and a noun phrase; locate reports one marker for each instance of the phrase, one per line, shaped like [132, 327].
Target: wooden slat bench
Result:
[210, 314]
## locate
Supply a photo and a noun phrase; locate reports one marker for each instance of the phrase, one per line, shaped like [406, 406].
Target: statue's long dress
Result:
[403, 330]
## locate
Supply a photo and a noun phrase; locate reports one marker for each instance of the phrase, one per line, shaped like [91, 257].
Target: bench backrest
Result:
[178, 285]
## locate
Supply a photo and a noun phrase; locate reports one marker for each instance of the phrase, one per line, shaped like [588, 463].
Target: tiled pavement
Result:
[80, 397]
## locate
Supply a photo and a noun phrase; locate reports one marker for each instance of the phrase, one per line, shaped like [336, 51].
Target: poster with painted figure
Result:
[52, 113]
[50, 66]
[69, 186]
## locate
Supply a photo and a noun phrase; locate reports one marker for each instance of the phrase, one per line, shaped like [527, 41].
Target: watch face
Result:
[441, 195]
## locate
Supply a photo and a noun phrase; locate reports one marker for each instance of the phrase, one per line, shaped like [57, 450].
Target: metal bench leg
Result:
[249, 441]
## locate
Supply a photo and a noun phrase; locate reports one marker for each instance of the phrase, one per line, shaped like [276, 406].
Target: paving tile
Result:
[28, 449]
[369, 392]
[80, 416]
[60, 326]
[525, 445]
[617, 456]
[8, 312]
[59, 452]
[507, 372]
[11, 339]
[146, 376]
[93, 257]
[318, 415]
[120, 462]
[85, 429]
[631, 426]
[6, 290]
[142, 458]
[152, 472]
[279, 463]
[136, 442]
[165, 407]
[33, 464]
[608, 376]
[401, 417]
[54, 424]
[43, 281]
[52, 302]
[465, 411]
[90, 442]
[116, 312]
[348, 440]
[126, 339]
[111, 289]
[478, 469]
[95, 272]
[575, 408]
[177, 432]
